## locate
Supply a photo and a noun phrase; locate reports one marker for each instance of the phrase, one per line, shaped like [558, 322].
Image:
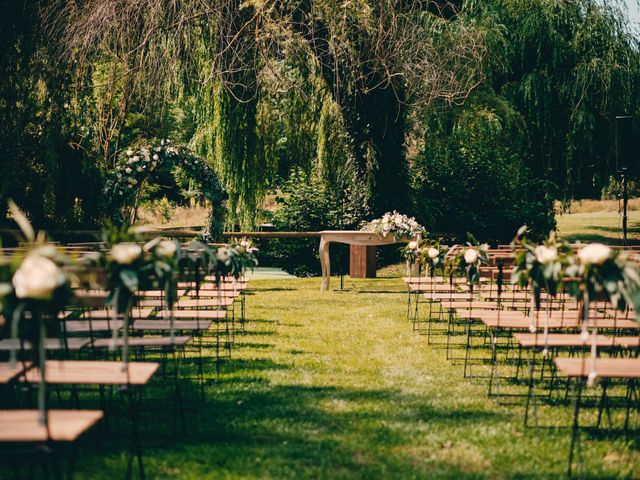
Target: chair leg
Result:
[575, 433]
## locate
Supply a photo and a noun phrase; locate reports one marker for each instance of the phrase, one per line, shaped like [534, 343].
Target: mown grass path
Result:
[337, 385]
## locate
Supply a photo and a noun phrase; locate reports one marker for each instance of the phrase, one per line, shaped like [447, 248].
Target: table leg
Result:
[325, 264]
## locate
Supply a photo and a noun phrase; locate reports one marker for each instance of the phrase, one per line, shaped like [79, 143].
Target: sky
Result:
[634, 12]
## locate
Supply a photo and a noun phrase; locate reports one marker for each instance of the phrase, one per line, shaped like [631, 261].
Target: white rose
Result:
[433, 253]
[224, 255]
[545, 254]
[594, 253]
[412, 245]
[166, 248]
[37, 278]
[126, 253]
[471, 256]
[128, 170]
[135, 159]
[156, 157]
[129, 152]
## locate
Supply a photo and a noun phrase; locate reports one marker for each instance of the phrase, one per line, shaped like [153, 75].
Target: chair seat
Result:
[95, 326]
[142, 342]
[89, 372]
[178, 325]
[23, 426]
[73, 344]
[605, 367]
[567, 340]
[205, 302]
[8, 371]
[194, 314]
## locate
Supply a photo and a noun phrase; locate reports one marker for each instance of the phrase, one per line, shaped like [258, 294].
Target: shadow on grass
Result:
[321, 431]
[271, 289]
[609, 235]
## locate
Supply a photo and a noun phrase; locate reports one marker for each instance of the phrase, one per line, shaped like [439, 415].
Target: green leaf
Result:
[129, 279]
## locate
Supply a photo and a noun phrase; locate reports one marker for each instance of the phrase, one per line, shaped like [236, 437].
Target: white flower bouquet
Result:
[396, 224]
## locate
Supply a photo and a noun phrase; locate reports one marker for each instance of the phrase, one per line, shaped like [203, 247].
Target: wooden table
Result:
[350, 237]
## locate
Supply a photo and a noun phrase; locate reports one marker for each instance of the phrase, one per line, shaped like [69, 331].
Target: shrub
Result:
[473, 179]
[613, 191]
[306, 203]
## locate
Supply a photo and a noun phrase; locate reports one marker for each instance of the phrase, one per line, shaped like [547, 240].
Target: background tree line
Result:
[471, 116]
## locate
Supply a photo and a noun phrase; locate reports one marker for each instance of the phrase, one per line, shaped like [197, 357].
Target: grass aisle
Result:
[337, 385]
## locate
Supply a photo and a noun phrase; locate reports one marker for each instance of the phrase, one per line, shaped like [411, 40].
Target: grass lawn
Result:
[603, 226]
[337, 385]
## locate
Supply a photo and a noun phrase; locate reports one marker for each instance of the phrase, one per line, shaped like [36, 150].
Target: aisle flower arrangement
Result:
[432, 256]
[34, 289]
[603, 273]
[132, 266]
[394, 223]
[467, 259]
[542, 267]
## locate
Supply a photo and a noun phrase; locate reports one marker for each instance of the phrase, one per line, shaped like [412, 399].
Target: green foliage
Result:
[568, 68]
[612, 190]
[44, 166]
[471, 177]
[307, 204]
[296, 87]
[543, 265]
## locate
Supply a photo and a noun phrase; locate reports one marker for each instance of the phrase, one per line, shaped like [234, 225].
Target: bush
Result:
[613, 191]
[308, 204]
[473, 180]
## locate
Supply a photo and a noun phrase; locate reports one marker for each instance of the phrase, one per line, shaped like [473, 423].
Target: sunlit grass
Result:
[337, 385]
[598, 226]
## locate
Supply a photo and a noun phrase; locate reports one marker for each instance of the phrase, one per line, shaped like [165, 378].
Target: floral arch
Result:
[141, 166]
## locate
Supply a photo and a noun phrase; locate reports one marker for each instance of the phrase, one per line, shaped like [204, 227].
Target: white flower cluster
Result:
[139, 162]
[37, 278]
[395, 223]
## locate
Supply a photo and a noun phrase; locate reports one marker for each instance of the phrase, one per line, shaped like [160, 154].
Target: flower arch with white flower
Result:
[135, 167]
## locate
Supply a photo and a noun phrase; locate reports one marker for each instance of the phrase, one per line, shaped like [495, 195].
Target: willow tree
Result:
[377, 57]
[568, 68]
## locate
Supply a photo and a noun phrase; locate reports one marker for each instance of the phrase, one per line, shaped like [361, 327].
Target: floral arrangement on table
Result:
[34, 289]
[396, 224]
[467, 259]
[133, 168]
